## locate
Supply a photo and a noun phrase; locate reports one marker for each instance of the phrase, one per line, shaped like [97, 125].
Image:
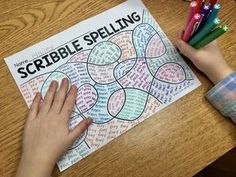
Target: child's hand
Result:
[209, 60]
[46, 135]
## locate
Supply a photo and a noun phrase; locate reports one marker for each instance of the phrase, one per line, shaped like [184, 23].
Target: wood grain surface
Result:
[176, 142]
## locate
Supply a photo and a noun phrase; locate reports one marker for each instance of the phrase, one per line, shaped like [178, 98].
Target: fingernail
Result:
[64, 80]
[178, 42]
[89, 121]
[54, 83]
[37, 94]
[74, 87]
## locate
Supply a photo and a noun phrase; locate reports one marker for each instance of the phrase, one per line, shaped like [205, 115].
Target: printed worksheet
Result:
[123, 64]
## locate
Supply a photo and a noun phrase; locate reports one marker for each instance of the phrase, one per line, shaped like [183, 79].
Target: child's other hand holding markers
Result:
[208, 59]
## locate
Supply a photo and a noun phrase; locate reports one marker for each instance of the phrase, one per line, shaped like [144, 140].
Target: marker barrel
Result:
[214, 12]
[199, 5]
[211, 16]
[205, 10]
[192, 11]
[212, 3]
[204, 31]
[211, 36]
[191, 26]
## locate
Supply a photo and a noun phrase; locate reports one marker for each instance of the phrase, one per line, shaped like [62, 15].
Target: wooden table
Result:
[177, 142]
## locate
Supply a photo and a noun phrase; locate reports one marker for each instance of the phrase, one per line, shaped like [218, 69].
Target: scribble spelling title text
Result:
[69, 49]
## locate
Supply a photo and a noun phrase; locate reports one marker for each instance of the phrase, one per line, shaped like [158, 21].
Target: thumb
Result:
[186, 49]
[80, 128]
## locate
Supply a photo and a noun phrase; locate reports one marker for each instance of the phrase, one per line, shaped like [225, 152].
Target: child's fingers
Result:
[34, 109]
[179, 34]
[60, 96]
[70, 102]
[186, 49]
[79, 129]
[48, 99]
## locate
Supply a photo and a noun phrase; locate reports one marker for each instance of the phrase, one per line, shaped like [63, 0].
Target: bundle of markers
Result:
[202, 23]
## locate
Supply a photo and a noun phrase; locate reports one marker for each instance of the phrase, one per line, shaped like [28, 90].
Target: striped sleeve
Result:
[223, 96]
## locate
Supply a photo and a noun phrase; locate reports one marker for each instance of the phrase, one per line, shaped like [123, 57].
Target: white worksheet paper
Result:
[124, 66]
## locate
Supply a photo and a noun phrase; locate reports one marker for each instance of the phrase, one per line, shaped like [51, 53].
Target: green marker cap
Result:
[216, 21]
[225, 28]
